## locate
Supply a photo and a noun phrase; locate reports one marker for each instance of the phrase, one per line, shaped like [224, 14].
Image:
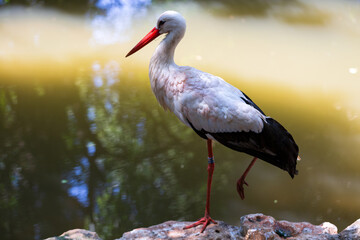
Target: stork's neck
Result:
[163, 68]
[164, 53]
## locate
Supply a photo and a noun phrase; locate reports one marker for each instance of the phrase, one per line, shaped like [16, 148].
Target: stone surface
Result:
[251, 227]
[259, 226]
[352, 232]
[174, 230]
[77, 234]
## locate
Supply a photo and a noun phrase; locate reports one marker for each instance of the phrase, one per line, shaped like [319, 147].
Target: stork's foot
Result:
[240, 186]
[205, 221]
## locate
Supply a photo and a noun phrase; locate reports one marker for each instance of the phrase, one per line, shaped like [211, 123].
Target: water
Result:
[84, 142]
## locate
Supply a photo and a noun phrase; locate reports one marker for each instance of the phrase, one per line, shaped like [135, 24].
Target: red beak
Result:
[147, 39]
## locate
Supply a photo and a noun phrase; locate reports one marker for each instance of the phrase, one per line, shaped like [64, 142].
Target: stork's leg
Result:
[241, 181]
[206, 220]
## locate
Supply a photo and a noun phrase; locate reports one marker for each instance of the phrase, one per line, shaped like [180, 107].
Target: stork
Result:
[214, 109]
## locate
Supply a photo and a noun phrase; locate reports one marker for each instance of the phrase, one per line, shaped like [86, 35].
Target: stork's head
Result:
[168, 22]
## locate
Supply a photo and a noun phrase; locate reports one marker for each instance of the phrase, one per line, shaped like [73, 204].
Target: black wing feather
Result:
[248, 101]
[274, 144]
[201, 133]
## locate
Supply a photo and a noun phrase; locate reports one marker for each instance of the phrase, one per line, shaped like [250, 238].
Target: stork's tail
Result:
[280, 142]
[274, 144]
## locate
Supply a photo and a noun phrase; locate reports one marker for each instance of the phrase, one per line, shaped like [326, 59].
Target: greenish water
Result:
[84, 144]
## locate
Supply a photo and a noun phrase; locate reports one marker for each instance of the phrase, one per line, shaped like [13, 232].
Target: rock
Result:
[77, 234]
[253, 226]
[174, 230]
[352, 232]
[329, 228]
[259, 226]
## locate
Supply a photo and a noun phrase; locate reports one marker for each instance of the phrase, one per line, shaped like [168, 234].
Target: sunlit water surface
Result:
[84, 143]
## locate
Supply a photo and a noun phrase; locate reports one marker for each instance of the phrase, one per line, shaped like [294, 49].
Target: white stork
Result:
[214, 109]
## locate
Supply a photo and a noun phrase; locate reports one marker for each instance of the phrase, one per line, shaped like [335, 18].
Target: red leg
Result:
[206, 220]
[241, 181]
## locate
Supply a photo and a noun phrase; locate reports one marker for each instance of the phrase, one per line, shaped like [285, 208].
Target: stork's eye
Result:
[161, 22]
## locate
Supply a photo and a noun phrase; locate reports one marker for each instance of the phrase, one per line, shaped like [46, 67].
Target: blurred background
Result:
[84, 144]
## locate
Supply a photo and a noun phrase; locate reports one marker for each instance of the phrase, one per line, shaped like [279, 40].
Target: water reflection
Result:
[111, 27]
[83, 141]
[138, 159]
[289, 11]
[135, 122]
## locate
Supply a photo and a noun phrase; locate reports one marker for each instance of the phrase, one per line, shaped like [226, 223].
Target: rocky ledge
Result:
[253, 226]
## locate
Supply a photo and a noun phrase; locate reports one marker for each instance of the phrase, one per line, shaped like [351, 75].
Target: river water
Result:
[84, 144]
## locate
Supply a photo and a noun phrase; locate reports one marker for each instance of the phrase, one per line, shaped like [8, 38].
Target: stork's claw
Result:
[240, 187]
[205, 221]
[241, 181]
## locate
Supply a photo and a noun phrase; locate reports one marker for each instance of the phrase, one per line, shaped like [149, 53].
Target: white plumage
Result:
[207, 101]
